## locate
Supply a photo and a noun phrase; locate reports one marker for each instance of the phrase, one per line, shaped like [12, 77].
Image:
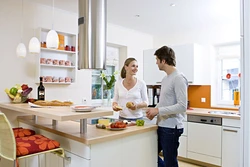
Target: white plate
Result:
[82, 108]
[115, 129]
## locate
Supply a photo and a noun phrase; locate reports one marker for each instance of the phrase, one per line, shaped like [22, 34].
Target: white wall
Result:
[15, 70]
[132, 42]
[211, 35]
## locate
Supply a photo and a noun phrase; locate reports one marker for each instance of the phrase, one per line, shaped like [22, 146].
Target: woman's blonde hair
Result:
[126, 63]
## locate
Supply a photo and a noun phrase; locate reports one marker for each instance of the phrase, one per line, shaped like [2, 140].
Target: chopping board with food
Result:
[120, 125]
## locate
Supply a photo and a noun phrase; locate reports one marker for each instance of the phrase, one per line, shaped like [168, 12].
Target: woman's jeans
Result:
[168, 142]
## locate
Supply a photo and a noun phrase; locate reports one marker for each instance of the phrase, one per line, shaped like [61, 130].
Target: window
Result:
[98, 85]
[228, 63]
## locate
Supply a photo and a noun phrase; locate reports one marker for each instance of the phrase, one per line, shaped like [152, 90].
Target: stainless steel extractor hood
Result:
[92, 34]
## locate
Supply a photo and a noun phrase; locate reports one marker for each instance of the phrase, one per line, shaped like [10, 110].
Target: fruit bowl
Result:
[18, 93]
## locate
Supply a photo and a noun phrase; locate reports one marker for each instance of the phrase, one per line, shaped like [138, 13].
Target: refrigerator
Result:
[245, 83]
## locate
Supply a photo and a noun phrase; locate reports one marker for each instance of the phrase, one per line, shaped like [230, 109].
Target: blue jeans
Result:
[168, 142]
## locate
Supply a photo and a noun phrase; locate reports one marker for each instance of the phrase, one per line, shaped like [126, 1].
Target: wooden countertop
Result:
[70, 129]
[56, 113]
[205, 112]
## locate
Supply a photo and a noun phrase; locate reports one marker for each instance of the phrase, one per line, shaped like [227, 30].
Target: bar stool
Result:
[8, 146]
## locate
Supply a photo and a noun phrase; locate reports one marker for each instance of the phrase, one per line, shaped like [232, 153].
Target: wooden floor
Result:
[185, 164]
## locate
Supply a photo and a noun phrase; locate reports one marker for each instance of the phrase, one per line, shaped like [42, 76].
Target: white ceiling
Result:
[157, 17]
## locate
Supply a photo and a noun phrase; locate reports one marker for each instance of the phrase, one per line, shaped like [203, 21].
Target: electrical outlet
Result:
[203, 99]
[84, 100]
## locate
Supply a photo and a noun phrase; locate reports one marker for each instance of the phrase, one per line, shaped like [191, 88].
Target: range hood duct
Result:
[92, 34]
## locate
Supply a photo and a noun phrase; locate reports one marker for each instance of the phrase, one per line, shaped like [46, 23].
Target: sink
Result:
[223, 112]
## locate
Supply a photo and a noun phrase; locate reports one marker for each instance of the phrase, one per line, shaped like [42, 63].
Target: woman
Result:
[130, 94]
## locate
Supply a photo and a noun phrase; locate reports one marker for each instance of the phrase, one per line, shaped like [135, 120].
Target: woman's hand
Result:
[131, 106]
[116, 107]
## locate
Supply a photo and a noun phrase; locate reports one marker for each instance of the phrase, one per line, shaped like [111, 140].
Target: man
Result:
[171, 108]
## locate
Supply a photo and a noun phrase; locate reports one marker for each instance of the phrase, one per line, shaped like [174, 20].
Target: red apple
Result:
[24, 86]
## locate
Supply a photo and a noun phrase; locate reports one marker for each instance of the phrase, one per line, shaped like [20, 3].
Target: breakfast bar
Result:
[58, 113]
[94, 148]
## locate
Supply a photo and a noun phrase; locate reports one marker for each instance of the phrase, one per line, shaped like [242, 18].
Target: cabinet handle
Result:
[230, 130]
[203, 120]
[158, 82]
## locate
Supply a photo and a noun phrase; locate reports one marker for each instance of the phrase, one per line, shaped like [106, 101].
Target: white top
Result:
[173, 101]
[137, 94]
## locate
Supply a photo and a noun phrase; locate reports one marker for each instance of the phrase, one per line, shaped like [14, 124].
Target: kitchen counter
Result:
[97, 147]
[69, 130]
[56, 113]
[205, 112]
[63, 113]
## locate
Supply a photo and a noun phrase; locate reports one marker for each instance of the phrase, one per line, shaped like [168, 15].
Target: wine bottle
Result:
[41, 90]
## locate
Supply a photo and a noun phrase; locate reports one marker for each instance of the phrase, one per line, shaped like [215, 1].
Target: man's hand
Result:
[151, 113]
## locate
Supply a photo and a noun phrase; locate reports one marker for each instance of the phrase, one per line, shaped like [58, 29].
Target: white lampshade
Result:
[21, 50]
[34, 45]
[52, 40]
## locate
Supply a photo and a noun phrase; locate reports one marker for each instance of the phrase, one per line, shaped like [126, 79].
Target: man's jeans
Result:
[168, 142]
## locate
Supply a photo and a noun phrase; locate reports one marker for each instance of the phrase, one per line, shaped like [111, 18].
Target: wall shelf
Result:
[57, 66]
[50, 71]
[57, 50]
[55, 83]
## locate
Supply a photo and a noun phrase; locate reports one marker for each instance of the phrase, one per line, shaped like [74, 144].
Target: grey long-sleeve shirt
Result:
[173, 101]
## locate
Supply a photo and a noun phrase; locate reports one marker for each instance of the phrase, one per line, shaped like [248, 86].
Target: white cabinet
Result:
[76, 161]
[151, 73]
[230, 143]
[57, 66]
[204, 143]
[182, 150]
[194, 62]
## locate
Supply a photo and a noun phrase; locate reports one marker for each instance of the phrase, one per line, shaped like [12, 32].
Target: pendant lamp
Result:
[34, 46]
[52, 39]
[21, 49]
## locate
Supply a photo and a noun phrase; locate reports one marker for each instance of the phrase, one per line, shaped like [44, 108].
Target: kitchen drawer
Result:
[231, 122]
